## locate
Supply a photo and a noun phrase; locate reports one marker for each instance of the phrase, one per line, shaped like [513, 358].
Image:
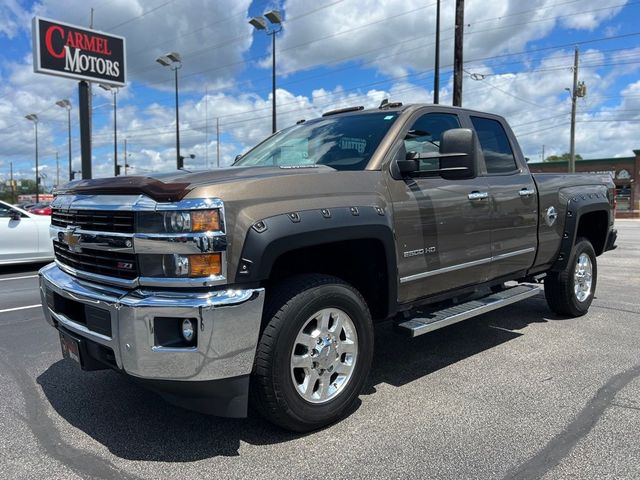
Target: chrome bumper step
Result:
[441, 318]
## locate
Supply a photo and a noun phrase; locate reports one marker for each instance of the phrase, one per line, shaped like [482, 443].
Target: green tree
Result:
[565, 157]
[27, 186]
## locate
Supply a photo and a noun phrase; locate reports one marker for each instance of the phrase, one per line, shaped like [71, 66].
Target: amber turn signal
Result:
[205, 220]
[205, 265]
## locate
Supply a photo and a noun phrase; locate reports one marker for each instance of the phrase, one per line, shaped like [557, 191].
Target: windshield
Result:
[342, 142]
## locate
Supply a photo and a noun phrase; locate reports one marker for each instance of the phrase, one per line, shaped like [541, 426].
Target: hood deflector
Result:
[131, 185]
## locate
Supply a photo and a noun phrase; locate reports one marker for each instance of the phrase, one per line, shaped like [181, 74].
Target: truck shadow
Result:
[136, 424]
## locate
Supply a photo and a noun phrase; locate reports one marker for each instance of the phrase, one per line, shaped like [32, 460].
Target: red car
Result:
[41, 209]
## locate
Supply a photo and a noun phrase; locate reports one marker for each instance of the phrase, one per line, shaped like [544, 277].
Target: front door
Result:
[442, 233]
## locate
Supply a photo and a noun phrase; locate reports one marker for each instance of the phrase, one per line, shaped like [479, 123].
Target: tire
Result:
[560, 287]
[277, 384]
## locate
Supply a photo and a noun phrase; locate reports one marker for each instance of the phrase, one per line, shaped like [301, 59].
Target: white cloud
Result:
[398, 36]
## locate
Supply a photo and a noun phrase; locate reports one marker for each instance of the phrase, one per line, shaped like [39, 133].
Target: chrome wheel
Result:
[324, 355]
[583, 277]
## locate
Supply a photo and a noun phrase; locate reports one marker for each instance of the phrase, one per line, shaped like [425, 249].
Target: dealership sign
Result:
[74, 52]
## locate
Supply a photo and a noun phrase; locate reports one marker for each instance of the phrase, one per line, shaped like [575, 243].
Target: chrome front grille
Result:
[110, 264]
[100, 238]
[95, 220]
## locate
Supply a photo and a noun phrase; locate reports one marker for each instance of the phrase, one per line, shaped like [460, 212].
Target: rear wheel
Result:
[314, 354]
[570, 292]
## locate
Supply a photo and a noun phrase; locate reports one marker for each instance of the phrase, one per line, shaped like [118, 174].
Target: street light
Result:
[259, 23]
[173, 60]
[114, 91]
[181, 160]
[66, 104]
[32, 117]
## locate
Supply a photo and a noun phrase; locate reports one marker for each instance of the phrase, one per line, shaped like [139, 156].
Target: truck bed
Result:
[556, 190]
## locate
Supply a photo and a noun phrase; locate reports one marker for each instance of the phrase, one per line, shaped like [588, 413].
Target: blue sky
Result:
[331, 53]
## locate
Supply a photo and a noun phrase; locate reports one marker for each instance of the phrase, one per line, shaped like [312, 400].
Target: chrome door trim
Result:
[524, 251]
[460, 266]
[439, 271]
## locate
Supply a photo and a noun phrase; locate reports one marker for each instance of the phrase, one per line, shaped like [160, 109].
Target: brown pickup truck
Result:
[261, 282]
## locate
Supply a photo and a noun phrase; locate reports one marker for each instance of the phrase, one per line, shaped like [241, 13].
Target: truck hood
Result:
[171, 187]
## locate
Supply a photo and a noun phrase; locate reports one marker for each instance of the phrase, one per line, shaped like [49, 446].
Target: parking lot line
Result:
[17, 278]
[19, 308]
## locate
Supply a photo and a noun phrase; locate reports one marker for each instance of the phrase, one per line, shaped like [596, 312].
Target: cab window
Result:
[498, 155]
[425, 134]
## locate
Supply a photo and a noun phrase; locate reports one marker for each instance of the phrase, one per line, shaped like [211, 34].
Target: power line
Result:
[143, 14]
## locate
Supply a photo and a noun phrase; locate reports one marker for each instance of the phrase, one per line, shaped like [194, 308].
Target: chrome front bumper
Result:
[228, 324]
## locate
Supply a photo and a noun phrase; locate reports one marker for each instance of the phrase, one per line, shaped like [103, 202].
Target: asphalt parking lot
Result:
[516, 393]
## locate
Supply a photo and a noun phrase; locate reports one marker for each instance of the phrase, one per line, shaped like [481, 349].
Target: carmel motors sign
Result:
[74, 52]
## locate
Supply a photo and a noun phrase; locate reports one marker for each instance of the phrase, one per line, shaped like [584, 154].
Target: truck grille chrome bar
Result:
[120, 265]
[95, 220]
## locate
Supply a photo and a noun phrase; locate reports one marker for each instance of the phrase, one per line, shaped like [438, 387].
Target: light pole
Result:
[173, 60]
[66, 104]
[259, 23]
[181, 160]
[32, 117]
[114, 92]
[436, 62]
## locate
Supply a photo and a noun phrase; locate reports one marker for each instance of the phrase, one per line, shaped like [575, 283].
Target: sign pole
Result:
[85, 129]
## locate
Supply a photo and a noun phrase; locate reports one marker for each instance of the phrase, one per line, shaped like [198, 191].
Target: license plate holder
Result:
[70, 348]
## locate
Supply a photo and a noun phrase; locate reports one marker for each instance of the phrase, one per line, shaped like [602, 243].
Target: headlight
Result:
[182, 221]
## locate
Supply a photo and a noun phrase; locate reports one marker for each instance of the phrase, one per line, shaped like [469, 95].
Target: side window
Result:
[5, 211]
[425, 134]
[498, 155]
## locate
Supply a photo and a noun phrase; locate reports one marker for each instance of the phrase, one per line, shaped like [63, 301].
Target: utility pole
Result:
[57, 171]
[218, 142]
[543, 152]
[206, 126]
[436, 66]
[458, 54]
[574, 96]
[126, 163]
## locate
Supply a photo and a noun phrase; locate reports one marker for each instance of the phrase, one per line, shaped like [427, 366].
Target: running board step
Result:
[442, 318]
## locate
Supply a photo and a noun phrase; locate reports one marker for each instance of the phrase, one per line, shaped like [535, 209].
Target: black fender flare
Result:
[577, 206]
[274, 236]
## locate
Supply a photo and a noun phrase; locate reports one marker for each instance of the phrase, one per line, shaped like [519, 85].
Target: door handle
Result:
[525, 192]
[478, 195]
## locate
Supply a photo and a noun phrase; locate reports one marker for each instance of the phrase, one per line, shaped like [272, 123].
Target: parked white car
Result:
[24, 237]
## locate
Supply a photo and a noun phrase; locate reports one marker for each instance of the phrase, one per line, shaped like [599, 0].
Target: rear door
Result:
[442, 226]
[513, 202]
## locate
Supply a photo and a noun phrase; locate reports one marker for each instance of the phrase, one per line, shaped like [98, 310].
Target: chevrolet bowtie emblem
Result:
[71, 239]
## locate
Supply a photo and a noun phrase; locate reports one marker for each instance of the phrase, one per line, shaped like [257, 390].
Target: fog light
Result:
[187, 329]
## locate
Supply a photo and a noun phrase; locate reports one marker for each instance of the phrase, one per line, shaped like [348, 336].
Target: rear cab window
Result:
[497, 151]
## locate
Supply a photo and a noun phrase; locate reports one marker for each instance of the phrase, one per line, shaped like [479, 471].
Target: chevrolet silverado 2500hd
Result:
[261, 282]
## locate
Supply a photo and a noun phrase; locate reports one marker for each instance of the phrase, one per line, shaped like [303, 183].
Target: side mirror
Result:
[15, 215]
[407, 166]
[459, 154]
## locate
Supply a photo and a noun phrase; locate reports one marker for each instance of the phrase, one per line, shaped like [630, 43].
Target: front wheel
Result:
[314, 354]
[570, 292]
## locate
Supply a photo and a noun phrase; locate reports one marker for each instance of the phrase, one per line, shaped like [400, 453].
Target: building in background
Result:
[625, 172]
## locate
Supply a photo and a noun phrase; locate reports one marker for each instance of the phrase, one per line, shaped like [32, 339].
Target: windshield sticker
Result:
[350, 143]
